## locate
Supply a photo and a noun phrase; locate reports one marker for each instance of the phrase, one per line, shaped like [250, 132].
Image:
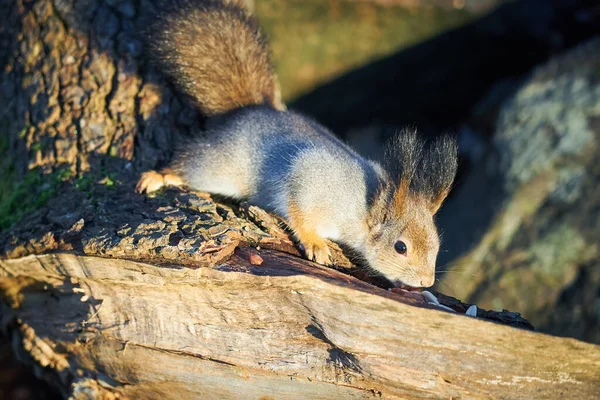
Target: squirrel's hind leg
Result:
[315, 246]
[151, 181]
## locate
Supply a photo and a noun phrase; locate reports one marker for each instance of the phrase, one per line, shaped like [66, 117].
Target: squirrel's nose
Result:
[428, 281]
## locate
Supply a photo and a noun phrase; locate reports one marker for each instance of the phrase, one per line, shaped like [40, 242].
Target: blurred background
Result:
[317, 41]
[517, 82]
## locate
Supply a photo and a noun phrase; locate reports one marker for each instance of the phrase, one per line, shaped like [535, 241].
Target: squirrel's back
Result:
[215, 52]
[287, 163]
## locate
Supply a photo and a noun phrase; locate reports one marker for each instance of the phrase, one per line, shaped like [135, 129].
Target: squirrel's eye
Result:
[400, 247]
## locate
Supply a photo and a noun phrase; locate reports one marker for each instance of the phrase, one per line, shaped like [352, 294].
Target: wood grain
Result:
[282, 329]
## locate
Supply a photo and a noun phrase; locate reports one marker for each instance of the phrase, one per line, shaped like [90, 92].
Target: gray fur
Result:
[268, 157]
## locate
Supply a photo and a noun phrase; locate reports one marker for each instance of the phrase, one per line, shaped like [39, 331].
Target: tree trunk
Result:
[76, 91]
[107, 293]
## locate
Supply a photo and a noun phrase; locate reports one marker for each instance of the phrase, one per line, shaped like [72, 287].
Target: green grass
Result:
[314, 41]
[19, 198]
[22, 196]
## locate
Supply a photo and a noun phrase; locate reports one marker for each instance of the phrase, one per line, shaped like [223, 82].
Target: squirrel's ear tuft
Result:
[436, 172]
[402, 155]
[418, 170]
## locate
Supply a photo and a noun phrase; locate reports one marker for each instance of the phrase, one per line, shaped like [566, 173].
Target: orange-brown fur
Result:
[303, 223]
[410, 221]
[403, 211]
[228, 68]
[152, 181]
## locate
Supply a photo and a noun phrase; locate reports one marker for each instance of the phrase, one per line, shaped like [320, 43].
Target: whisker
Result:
[459, 264]
[453, 267]
[451, 282]
[455, 272]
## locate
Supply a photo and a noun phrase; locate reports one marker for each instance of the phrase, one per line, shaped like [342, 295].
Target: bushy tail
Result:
[216, 53]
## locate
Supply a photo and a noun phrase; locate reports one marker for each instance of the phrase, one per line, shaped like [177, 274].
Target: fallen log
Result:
[233, 321]
[282, 329]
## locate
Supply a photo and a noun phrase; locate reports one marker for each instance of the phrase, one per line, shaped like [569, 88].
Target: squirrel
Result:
[287, 163]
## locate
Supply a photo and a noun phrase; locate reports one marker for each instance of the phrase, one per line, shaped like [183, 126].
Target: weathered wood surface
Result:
[196, 303]
[281, 329]
[195, 317]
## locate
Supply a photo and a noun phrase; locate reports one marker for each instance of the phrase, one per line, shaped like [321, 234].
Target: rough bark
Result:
[174, 227]
[76, 91]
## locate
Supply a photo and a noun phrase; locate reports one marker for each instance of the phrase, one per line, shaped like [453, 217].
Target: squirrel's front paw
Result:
[150, 181]
[318, 252]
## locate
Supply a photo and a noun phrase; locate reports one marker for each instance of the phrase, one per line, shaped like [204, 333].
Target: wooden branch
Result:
[281, 329]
